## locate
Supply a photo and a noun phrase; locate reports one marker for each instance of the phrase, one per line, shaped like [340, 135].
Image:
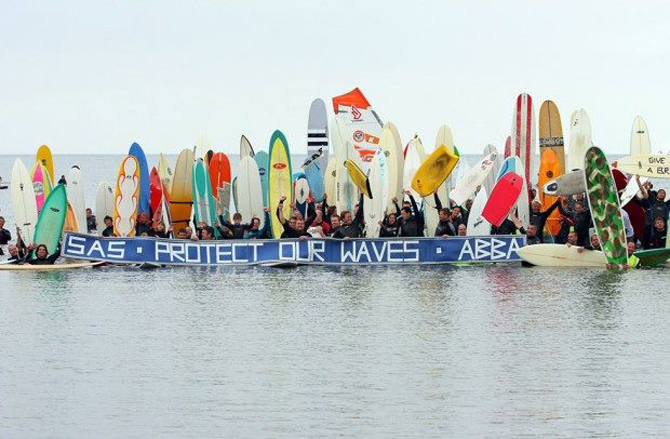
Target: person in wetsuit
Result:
[352, 226]
[658, 234]
[582, 221]
[295, 227]
[255, 231]
[42, 256]
[411, 223]
[539, 218]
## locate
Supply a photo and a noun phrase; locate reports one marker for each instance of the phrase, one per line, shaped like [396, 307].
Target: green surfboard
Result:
[50, 223]
[605, 210]
[653, 257]
[203, 201]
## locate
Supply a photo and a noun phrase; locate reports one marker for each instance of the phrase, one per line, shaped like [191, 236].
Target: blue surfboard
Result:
[315, 179]
[144, 205]
[262, 160]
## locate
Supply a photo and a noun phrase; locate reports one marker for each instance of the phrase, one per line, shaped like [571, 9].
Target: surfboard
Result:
[477, 224]
[551, 133]
[523, 202]
[104, 205]
[203, 203]
[246, 150]
[604, 204]
[23, 202]
[492, 177]
[650, 166]
[155, 189]
[301, 191]
[54, 267]
[233, 187]
[145, 192]
[262, 161]
[550, 168]
[632, 190]
[330, 181]
[317, 134]
[41, 184]
[474, 179]
[653, 257]
[508, 147]
[46, 159]
[391, 146]
[126, 197]
[71, 222]
[414, 154]
[434, 171]
[640, 144]
[560, 255]
[566, 185]
[75, 195]
[358, 177]
[375, 207]
[166, 174]
[50, 223]
[504, 196]
[346, 190]
[181, 195]
[221, 184]
[580, 139]
[280, 180]
[360, 125]
[250, 192]
[523, 133]
[314, 176]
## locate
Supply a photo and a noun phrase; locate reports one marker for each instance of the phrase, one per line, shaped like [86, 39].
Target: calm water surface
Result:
[494, 351]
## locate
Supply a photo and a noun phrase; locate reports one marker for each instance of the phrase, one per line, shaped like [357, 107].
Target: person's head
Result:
[2, 222]
[391, 219]
[355, 209]
[160, 227]
[536, 206]
[41, 251]
[255, 223]
[531, 231]
[595, 242]
[659, 224]
[108, 221]
[444, 214]
[143, 218]
[456, 212]
[346, 218]
[462, 230]
[201, 225]
[207, 233]
[189, 231]
[182, 234]
[579, 196]
[660, 195]
[299, 224]
[237, 218]
[332, 210]
[335, 220]
[579, 207]
[13, 250]
[406, 213]
[291, 221]
[89, 212]
[573, 238]
[406, 204]
[632, 247]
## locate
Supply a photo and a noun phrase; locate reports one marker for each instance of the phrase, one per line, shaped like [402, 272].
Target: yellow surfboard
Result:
[71, 223]
[359, 178]
[434, 171]
[551, 132]
[181, 193]
[280, 181]
[550, 168]
[46, 159]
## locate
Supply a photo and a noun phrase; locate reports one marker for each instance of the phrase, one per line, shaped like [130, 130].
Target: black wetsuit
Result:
[507, 227]
[413, 226]
[445, 228]
[582, 225]
[49, 260]
[540, 219]
[142, 228]
[91, 224]
[5, 236]
[353, 230]
[389, 231]
[109, 231]
[657, 239]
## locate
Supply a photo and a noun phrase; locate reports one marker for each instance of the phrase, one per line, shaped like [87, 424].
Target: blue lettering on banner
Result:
[311, 251]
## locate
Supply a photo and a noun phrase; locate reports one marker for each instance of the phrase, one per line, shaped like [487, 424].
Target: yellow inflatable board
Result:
[280, 180]
[359, 178]
[46, 159]
[434, 171]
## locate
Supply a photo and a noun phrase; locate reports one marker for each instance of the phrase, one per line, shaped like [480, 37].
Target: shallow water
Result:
[484, 351]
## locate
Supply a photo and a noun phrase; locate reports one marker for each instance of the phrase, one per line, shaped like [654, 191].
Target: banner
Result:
[363, 126]
[292, 251]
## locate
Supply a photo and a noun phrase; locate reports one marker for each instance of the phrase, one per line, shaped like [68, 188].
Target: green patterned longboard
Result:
[605, 209]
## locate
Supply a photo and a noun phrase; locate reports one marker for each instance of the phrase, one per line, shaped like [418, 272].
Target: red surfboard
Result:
[219, 172]
[508, 147]
[523, 132]
[155, 189]
[503, 197]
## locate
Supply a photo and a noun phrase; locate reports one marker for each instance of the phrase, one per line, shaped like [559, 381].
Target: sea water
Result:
[485, 351]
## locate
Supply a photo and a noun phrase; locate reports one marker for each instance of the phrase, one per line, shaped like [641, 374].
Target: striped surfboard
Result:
[523, 132]
[317, 134]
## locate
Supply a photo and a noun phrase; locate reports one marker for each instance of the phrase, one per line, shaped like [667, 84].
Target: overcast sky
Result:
[94, 76]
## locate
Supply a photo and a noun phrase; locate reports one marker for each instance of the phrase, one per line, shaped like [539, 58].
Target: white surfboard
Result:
[75, 195]
[414, 152]
[462, 169]
[651, 166]
[477, 224]
[317, 133]
[330, 181]
[391, 145]
[250, 191]
[165, 173]
[560, 255]
[640, 144]
[104, 205]
[375, 208]
[347, 192]
[23, 202]
[523, 203]
[492, 178]
[246, 150]
[444, 137]
[580, 139]
[632, 189]
[474, 179]
[566, 185]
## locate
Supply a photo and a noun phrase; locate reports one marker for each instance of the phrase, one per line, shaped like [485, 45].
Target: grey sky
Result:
[92, 77]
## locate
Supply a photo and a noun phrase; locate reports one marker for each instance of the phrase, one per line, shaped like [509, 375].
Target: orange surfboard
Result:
[550, 168]
[220, 176]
